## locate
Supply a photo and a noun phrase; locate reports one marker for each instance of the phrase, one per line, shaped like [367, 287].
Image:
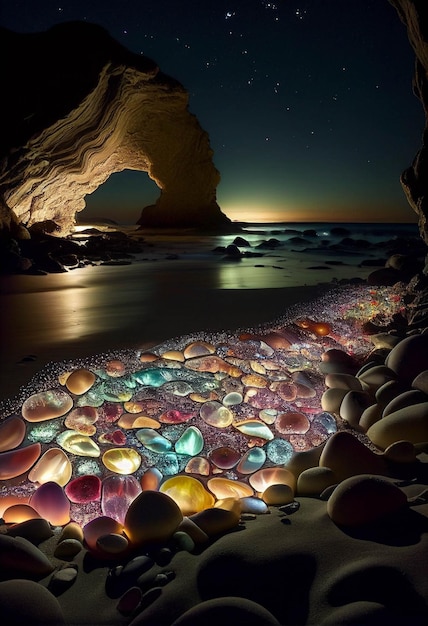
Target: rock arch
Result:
[80, 107]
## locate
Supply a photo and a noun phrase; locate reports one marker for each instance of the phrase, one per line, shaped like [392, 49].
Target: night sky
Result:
[308, 104]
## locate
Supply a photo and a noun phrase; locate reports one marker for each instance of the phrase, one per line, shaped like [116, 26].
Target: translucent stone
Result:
[327, 421]
[254, 428]
[268, 415]
[151, 479]
[262, 479]
[115, 368]
[18, 513]
[189, 493]
[279, 451]
[173, 355]
[117, 494]
[198, 348]
[51, 503]
[168, 464]
[46, 405]
[254, 380]
[82, 420]
[233, 398]
[116, 437]
[213, 364]
[153, 377]
[122, 460]
[153, 440]
[318, 328]
[53, 466]
[84, 489]
[252, 461]
[191, 442]
[225, 488]
[174, 416]
[215, 414]
[15, 462]
[12, 433]
[292, 422]
[224, 457]
[78, 444]
[128, 420]
[80, 381]
[198, 465]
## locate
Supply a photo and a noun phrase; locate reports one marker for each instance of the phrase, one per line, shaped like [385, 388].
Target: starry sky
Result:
[308, 103]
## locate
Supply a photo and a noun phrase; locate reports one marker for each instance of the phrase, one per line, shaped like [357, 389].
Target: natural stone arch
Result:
[83, 107]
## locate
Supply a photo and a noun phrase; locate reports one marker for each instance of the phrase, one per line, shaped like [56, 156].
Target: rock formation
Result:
[78, 107]
[414, 180]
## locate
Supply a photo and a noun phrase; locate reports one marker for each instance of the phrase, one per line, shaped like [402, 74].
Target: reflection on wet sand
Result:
[97, 309]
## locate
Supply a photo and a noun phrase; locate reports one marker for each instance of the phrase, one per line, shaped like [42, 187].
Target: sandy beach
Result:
[340, 538]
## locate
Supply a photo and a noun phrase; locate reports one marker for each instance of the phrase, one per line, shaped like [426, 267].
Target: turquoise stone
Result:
[252, 461]
[153, 441]
[191, 442]
[279, 451]
[154, 377]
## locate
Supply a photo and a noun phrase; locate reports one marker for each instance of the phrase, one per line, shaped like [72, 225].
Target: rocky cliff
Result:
[414, 14]
[78, 107]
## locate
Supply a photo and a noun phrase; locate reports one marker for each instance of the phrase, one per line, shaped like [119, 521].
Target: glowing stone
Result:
[225, 488]
[99, 527]
[53, 466]
[225, 457]
[198, 465]
[46, 405]
[18, 513]
[175, 417]
[215, 414]
[153, 377]
[232, 398]
[78, 444]
[151, 479]
[115, 368]
[152, 517]
[80, 381]
[262, 479]
[129, 420]
[254, 428]
[189, 494]
[82, 420]
[12, 433]
[279, 451]
[51, 503]
[292, 422]
[84, 489]
[15, 462]
[122, 460]
[10, 500]
[198, 348]
[191, 442]
[321, 329]
[251, 461]
[117, 494]
[153, 440]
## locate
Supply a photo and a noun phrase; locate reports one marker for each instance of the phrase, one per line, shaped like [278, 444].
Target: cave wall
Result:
[414, 180]
[80, 107]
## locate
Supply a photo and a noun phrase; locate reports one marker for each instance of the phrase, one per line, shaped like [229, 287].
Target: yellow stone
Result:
[78, 444]
[122, 460]
[224, 488]
[53, 466]
[189, 493]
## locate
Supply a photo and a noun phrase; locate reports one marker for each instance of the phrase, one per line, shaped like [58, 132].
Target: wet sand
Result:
[97, 309]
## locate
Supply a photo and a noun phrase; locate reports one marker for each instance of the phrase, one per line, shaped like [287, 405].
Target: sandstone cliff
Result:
[414, 180]
[78, 107]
